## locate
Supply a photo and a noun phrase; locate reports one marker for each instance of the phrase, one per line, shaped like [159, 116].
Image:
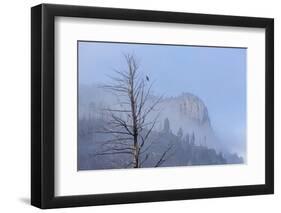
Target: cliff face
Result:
[188, 115]
[192, 108]
[185, 110]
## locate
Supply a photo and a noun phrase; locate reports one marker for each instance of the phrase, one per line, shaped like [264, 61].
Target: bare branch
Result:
[118, 149]
[162, 158]
[128, 165]
[113, 132]
[112, 153]
[145, 159]
[116, 110]
[147, 148]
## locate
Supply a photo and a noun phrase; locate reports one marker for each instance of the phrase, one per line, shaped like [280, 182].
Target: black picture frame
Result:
[43, 102]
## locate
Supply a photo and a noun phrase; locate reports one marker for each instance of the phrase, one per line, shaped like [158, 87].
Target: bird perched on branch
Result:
[147, 78]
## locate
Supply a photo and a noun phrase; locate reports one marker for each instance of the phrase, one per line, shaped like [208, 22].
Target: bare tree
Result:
[128, 122]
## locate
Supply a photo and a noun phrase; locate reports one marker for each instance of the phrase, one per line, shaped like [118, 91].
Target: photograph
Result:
[143, 105]
[138, 105]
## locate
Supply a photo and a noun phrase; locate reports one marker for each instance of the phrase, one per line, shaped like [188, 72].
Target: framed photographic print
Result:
[140, 106]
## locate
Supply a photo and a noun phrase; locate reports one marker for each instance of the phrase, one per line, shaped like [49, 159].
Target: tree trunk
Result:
[136, 153]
